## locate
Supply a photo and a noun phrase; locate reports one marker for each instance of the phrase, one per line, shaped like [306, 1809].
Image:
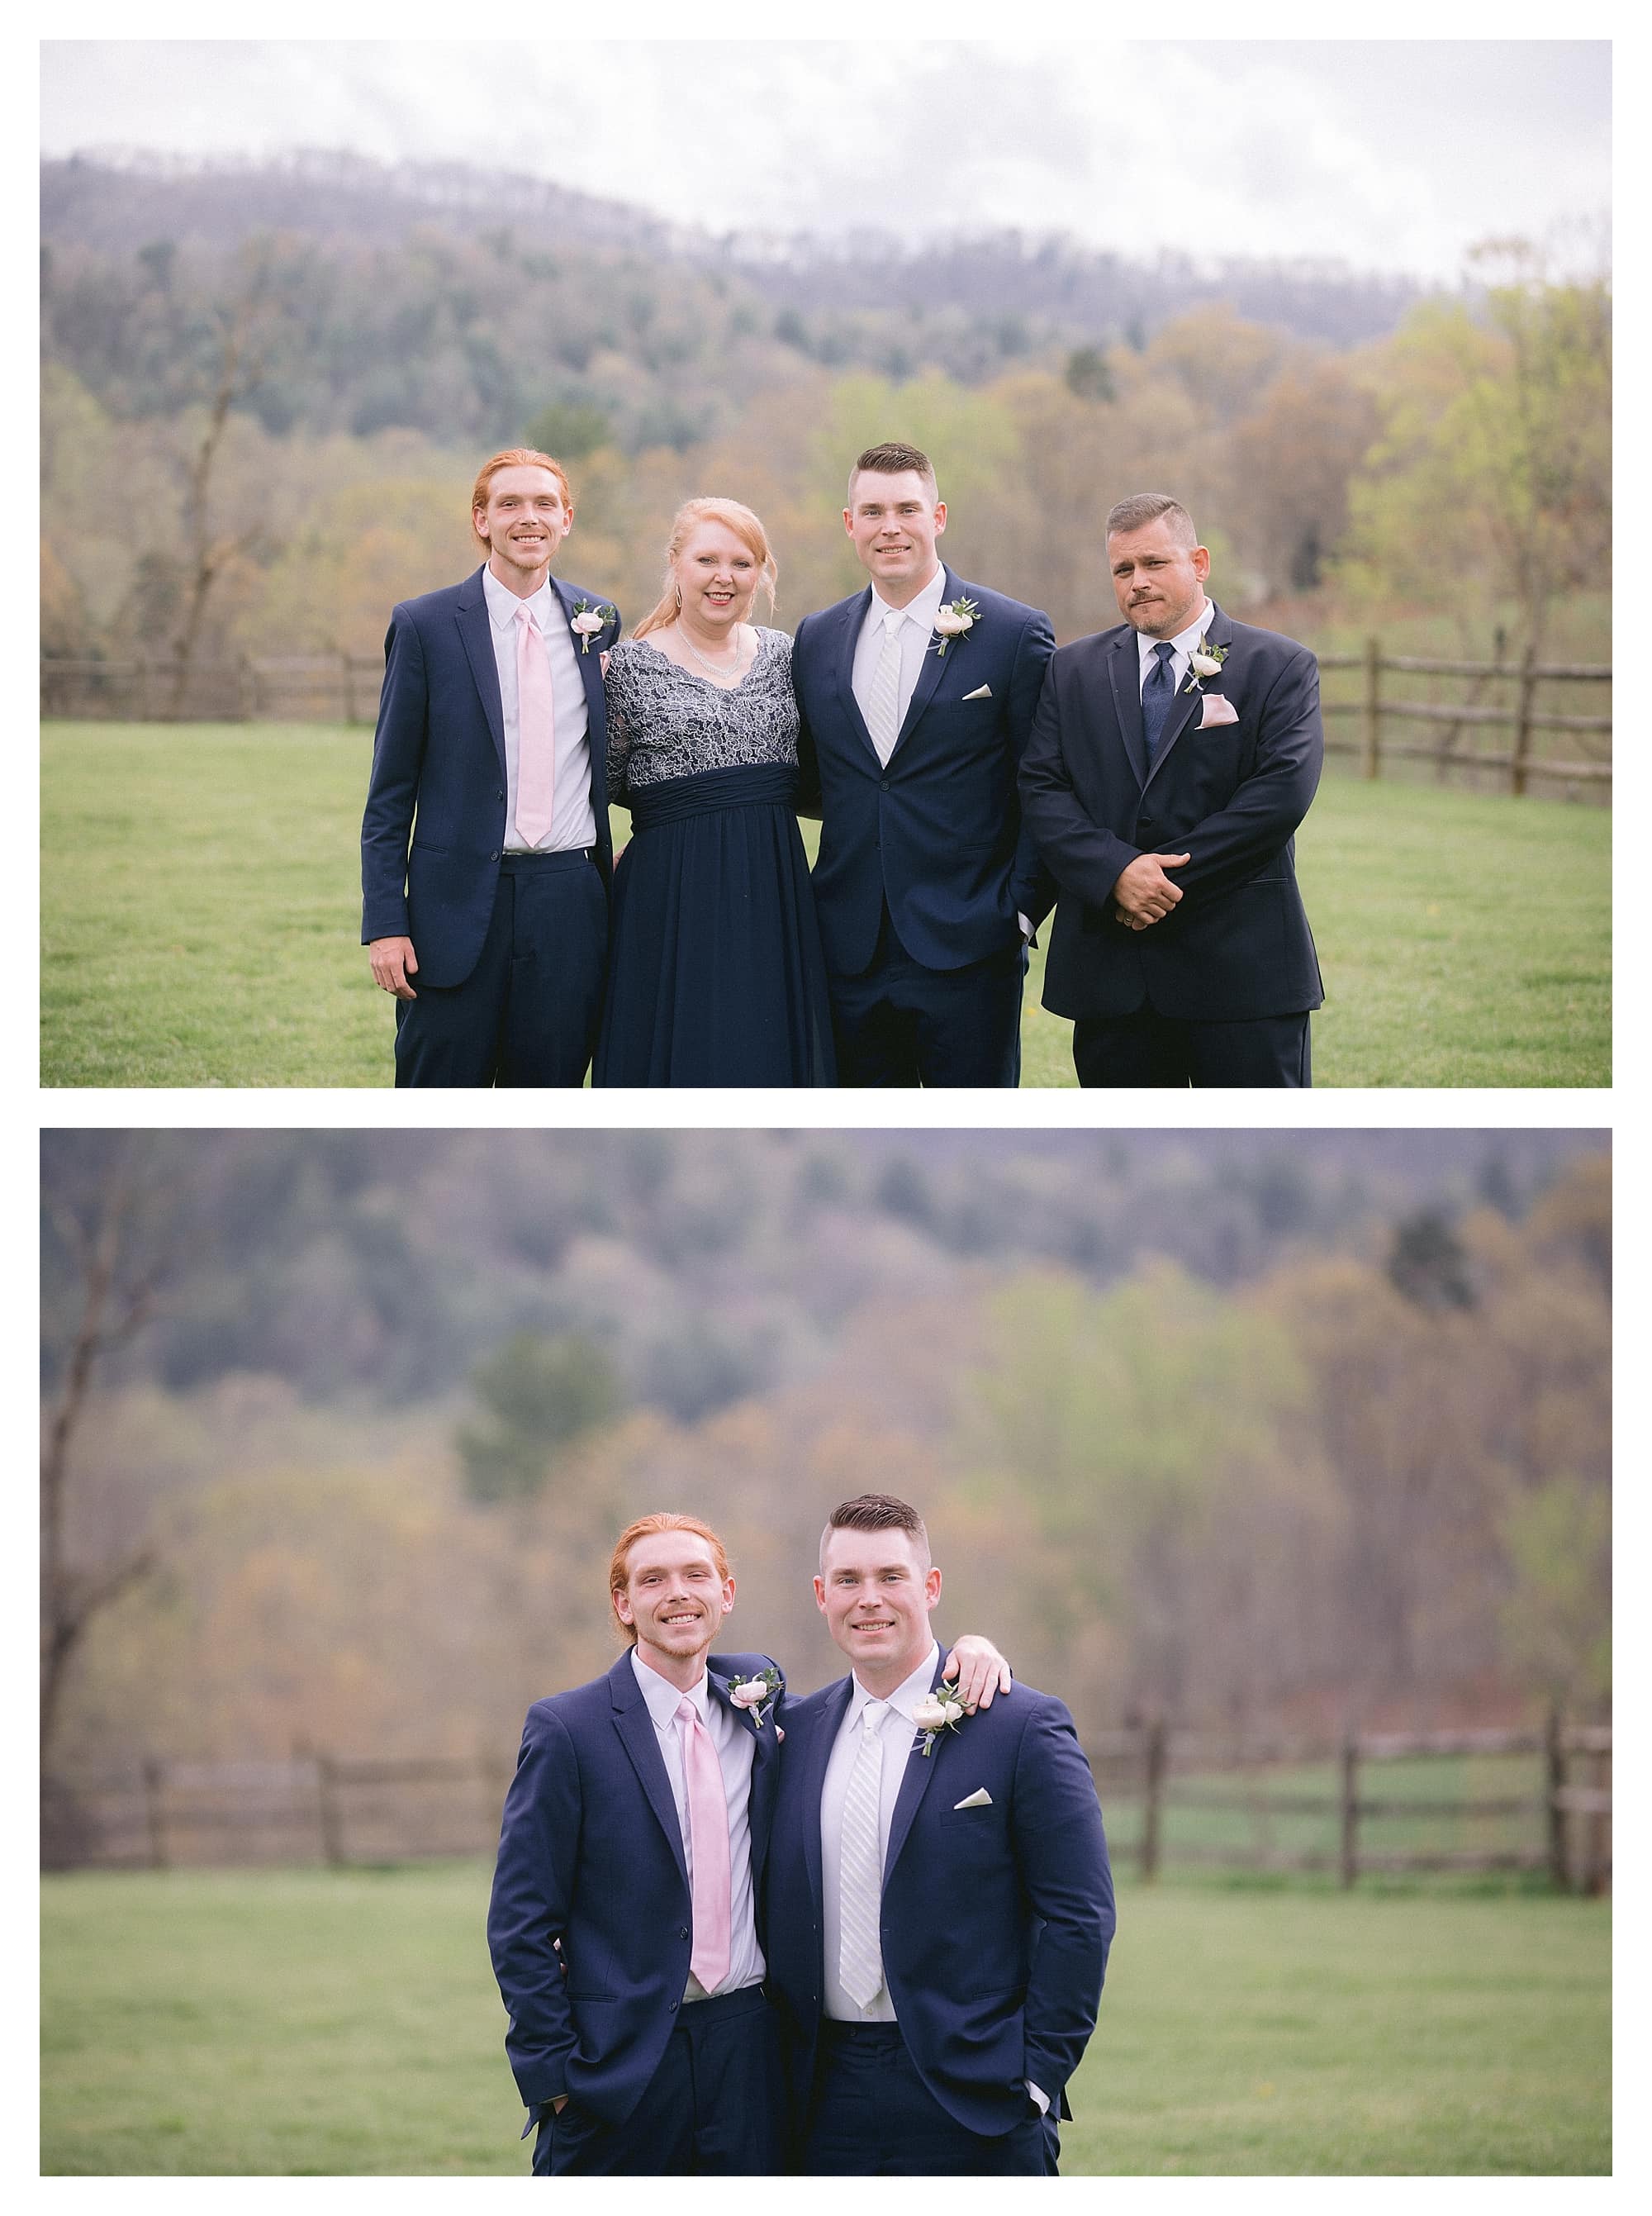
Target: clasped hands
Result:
[1142, 894]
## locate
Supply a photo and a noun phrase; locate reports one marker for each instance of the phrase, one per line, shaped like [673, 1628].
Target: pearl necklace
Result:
[712, 668]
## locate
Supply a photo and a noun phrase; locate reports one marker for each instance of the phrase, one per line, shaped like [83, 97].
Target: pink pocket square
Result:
[1216, 710]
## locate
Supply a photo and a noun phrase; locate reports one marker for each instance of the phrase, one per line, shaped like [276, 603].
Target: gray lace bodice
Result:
[664, 721]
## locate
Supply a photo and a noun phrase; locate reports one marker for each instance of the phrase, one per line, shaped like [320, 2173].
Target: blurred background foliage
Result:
[291, 371]
[1236, 1427]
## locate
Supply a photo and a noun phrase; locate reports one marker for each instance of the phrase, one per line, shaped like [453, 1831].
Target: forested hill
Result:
[713, 1265]
[402, 281]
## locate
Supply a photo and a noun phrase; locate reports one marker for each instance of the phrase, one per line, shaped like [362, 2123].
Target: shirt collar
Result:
[502, 605]
[1184, 642]
[662, 1697]
[922, 608]
[905, 1696]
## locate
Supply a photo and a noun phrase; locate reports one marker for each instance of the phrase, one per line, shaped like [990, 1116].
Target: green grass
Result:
[310, 2021]
[199, 914]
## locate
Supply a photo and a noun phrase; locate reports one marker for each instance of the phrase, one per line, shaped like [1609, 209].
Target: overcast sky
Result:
[1395, 155]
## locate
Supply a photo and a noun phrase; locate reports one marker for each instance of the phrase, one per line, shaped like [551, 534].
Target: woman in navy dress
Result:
[715, 974]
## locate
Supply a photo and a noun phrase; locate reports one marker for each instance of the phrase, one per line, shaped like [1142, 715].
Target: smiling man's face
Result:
[673, 1599]
[525, 520]
[876, 1590]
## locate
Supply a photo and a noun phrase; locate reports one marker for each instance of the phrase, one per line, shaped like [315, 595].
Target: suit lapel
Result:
[589, 664]
[854, 617]
[920, 1768]
[1186, 709]
[641, 1743]
[816, 1755]
[476, 633]
[930, 672]
[765, 1767]
[1124, 673]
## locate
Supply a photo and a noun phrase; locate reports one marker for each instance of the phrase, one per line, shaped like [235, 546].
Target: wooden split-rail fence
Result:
[1174, 1801]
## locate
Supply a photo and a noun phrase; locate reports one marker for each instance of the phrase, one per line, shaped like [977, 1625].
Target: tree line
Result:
[296, 419]
[1356, 1467]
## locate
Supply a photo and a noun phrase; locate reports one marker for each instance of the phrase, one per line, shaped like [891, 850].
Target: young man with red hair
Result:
[625, 1925]
[485, 851]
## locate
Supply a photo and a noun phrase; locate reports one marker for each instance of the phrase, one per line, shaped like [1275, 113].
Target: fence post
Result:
[1373, 706]
[1555, 1769]
[247, 688]
[1594, 1831]
[1350, 1800]
[154, 1818]
[1154, 1798]
[349, 689]
[331, 1815]
[1528, 693]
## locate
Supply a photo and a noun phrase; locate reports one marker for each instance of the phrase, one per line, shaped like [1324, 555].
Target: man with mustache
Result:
[485, 851]
[1170, 762]
[626, 1924]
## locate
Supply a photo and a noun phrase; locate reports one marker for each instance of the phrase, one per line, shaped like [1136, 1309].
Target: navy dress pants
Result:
[871, 2115]
[898, 1023]
[1146, 1047]
[527, 1013]
[715, 2107]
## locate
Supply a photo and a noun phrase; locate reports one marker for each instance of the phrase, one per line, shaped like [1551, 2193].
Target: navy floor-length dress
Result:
[715, 974]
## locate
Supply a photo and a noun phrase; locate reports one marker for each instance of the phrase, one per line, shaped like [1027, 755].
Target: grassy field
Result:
[303, 2022]
[199, 913]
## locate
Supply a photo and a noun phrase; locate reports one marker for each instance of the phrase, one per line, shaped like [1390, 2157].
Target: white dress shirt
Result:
[1184, 643]
[917, 639]
[574, 823]
[735, 1751]
[898, 1733]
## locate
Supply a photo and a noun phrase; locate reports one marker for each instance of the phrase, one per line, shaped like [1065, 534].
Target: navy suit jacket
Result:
[435, 825]
[938, 832]
[996, 1919]
[1229, 796]
[590, 1859]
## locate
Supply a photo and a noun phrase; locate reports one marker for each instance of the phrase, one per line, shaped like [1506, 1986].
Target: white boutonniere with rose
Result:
[588, 618]
[1206, 660]
[953, 620]
[941, 1710]
[757, 1696]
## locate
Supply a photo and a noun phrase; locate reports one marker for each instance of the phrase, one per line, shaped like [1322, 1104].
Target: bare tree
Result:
[106, 1240]
[248, 326]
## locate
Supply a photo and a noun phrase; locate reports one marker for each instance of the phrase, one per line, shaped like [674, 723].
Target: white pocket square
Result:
[981, 693]
[1216, 710]
[981, 1798]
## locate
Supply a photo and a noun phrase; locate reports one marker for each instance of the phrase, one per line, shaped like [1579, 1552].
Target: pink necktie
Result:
[708, 1831]
[536, 732]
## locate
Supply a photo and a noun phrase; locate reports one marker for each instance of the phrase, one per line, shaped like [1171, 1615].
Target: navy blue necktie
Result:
[1156, 694]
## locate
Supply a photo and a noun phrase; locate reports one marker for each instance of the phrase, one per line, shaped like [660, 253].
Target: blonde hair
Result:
[737, 518]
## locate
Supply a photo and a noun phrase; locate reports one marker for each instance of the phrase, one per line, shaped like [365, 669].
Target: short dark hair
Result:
[890, 460]
[1144, 507]
[876, 1512]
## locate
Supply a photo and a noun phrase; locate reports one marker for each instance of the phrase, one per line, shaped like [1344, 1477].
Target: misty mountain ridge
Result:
[120, 201]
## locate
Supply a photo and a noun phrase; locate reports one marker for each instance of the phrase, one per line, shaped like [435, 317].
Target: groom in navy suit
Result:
[626, 1923]
[940, 1905]
[1171, 760]
[915, 697]
[485, 849]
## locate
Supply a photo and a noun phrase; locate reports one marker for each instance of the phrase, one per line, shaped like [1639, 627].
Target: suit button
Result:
[494, 856]
[671, 2008]
[883, 785]
[682, 1932]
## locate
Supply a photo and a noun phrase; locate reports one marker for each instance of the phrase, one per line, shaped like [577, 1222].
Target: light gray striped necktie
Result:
[860, 1951]
[883, 712]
